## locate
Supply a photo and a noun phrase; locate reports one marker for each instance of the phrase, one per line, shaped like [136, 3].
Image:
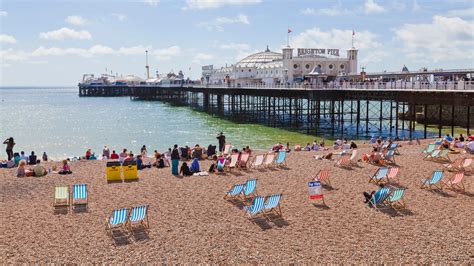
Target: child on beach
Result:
[21, 170]
[65, 169]
[185, 170]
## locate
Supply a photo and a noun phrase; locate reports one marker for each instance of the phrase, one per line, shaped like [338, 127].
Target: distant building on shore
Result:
[272, 68]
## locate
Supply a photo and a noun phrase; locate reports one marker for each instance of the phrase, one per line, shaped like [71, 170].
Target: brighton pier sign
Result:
[317, 51]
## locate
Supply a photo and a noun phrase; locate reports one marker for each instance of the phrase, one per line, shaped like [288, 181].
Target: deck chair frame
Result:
[458, 186]
[80, 201]
[123, 225]
[143, 221]
[274, 202]
[61, 202]
[429, 184]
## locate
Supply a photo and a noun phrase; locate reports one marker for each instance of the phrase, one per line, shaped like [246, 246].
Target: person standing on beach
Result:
[221, 139]
[106, 153]
[10, 144]
[175, 160]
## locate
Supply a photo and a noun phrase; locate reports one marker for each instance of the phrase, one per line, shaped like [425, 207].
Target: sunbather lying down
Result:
[324, 157]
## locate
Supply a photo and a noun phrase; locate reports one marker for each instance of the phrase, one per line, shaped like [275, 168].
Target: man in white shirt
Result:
[23, 157]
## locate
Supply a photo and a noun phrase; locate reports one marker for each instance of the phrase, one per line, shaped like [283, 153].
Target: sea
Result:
[57, 121]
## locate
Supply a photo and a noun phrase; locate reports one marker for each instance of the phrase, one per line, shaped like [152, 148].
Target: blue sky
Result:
[55, 42]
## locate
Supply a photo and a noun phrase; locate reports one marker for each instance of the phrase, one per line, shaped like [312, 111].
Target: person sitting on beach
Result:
[16, 158]
[461, 138]
[448, 138]
[106, 153]
[368, 196]
[321, 143]
[184, 153]
[212, 168]
[114, 155]
[444, 145]
[129, 158]
[211, 150]
[375, 157]
[160, 162]
[140, 164]
[184, 170]
[308, 147]
[32, 159]
[123, 155]
[287, 147]
[88, 154]
[297, 147]
[353, 145]
[196, 152]
[315, 146]
[458, 143]
[23, 156]
[39, 170]
[65, 169]
[195, 166]
[45, 157]
[21, 170]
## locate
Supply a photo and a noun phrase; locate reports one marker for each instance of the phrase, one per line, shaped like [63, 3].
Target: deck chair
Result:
[118, 219]
[249, 189]
[466, 164]
[432, 155]
[256, 207]
[79, 196]
[379, 175]
[353, 158]
[379, 197]
[234, 191]
[455, 183]
[343, 162]
[258, 161]
[281, 158]
[61, 196]
[234, 158]
[429, 149]
[138, 215]
[323, 177]
[227, 148]
[392, 173]
[394, 147]
[244, 160]
[389, 157]
[433, 181]
[443, 156]
[269, 160]
[395, 199]
[456, 165]
[272, 205]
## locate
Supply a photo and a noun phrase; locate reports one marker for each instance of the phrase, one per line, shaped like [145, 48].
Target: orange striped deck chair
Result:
[344, 162]
[392, 173]
[456, 165]
[323, 177]
[455, 183]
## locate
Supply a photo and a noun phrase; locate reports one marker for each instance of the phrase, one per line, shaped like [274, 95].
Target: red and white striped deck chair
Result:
[455, 183]
[454, 166]
[466, 164]
[244, 160]
[344, 162]
[392, 173]
[323, 177]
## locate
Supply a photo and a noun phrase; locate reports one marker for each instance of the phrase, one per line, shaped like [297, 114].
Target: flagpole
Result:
[288, 37]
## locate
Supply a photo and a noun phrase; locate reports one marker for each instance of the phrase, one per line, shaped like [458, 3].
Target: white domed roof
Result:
[255, 60]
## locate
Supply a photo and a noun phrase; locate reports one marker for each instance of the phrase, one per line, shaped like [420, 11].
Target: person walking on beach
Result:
[221, 139]
[10, 144]
[175, 160]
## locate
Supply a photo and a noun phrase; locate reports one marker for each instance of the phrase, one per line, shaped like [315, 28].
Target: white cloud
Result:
[65, 33]
[333, 11]
[4, 38]
[235, 46]
[13, 55]
[134, 50]
[151, 2]
[202, 57]
[372, 7]
[445, 38]
[219, 22]
[468, 13]
[205, 4]
[120, 17]
[3, 13]
[76, 20]
[167, 53]
[335, 38]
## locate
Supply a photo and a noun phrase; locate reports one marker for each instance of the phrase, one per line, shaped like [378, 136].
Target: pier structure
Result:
[337, 112]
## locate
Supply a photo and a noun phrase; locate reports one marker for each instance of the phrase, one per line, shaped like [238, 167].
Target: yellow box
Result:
[113, 171]
[130, 170]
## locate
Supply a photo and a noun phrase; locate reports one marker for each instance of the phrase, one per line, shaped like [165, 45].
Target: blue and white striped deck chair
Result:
[379, 197]
[256, 207]
[394, 147]
[234, 191]
[79, 196]
[272, 205]
[281, 158]
[379, 175]
[390, 156]
[249, 188]
[396, 199]
[433, 181]
[139, 215]
[118, 218]
[432, 155]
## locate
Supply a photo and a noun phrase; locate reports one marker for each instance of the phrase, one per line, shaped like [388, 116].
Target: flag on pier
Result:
[289, 30]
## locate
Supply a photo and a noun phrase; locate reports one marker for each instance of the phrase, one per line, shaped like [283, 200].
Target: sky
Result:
[55, 42]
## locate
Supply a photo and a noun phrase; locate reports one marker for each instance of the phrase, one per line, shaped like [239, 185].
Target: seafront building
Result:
[288, 67]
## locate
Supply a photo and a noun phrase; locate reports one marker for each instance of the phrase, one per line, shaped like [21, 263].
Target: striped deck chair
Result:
[323, 177]
[258, 161]
[227, 148]
[456, 165]
[244, 160]
[443, 156]
[379, 197]
[432, 155]
[234, 158]
[433, 181]
[394, 147]
[379, 175]
[344, 162]
[269, 160]
[429, 149]
[61, 196]
[79, 196]
[466, 164]
[234, 191]
[392, 173]
[118, 219]
[389, 157]
[272, 205]
[395, 199]
[353, 158]
[281, 158]
[256, 207]
[249, 189]
[455, 183]
[138, 215]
